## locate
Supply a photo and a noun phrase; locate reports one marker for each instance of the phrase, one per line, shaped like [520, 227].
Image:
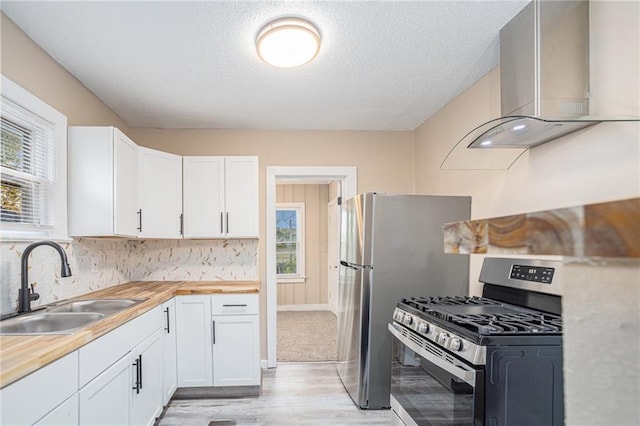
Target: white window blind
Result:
[28, 169]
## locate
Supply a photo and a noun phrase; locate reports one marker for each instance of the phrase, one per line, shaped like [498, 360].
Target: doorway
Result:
[306, 241]
[348, 179]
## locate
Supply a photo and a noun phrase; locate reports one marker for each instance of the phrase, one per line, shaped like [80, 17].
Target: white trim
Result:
[301, 255]
[32, 103]
[292, 280]
[263, 363]
[301, 308]
[348, 176]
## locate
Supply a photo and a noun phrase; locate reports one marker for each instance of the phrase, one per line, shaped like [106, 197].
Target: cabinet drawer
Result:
[98, 355]
[30, 398]
[234, 304]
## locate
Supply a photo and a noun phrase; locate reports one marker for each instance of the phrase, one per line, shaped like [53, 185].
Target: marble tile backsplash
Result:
[102, 263]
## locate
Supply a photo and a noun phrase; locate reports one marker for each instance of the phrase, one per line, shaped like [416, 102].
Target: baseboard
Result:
[217, 392]
[264, 364]
[307, 307]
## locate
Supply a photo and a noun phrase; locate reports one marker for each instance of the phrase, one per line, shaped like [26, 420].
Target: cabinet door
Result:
[65, 414]
[236, 350]
[193, 325]
[105, 400]
[169, 342]
[125, 220]
[146, 398]
[35, 395]
[203, 197]
[159, 193]
[241, 190]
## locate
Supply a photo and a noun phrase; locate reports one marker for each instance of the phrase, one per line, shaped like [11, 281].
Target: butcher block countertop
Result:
[21, 355]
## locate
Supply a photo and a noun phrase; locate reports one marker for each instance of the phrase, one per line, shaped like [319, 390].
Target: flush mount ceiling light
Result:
[288, 42]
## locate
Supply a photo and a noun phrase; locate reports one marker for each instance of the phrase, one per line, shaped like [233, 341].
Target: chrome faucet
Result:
[26, 294]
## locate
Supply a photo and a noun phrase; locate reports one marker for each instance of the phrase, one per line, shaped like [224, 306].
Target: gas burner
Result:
[482, 316]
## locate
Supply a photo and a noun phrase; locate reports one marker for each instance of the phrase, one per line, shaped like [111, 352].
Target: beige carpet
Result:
[306, 336]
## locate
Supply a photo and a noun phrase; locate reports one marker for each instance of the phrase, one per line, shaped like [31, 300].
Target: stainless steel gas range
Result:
[492, 360]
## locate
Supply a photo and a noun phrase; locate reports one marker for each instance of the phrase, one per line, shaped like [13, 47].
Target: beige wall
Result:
[600, 163]
[24, 62]
[314, 290]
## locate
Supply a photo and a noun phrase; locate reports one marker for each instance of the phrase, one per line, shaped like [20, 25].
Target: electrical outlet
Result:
[94, 264]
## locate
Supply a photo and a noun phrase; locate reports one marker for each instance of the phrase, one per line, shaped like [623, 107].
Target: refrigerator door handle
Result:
[350, 265]
[355, 266]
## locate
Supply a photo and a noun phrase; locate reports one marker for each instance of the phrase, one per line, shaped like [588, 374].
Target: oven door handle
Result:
[469, 376]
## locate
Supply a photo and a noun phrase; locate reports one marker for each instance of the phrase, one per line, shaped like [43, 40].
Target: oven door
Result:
[431, 387]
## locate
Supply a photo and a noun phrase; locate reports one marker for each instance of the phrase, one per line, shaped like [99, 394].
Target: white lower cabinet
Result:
[169, 351]
[35, 396]
[105, 400]
[129, 390]
[218, 340]
[194, 334]
[65, 414]
[146, 389]
[236, 350]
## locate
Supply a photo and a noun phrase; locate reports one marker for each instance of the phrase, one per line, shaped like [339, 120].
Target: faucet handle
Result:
[32, 292]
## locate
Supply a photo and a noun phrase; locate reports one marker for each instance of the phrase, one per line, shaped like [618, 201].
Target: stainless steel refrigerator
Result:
[391, 246]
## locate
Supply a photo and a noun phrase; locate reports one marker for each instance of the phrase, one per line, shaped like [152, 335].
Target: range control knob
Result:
[443, 338]
[456, 344]
[398, 315]
[423, 328]
[407, 320]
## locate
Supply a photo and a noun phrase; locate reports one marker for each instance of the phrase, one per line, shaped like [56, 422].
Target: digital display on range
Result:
[537, 274]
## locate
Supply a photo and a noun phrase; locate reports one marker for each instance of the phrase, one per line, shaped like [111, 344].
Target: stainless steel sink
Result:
[104, 306]
[64, 317]
[48, 323]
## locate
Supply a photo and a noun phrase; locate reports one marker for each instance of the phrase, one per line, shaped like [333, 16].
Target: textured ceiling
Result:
[383, 65]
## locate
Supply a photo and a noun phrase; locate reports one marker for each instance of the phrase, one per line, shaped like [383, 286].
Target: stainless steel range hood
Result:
[544, 77]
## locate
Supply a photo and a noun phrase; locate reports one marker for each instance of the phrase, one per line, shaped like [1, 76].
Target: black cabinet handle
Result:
[227, 222]
[140, 220]
[140, 370]
[214, 332]
[137, 384]
[167, 327]
[243, 305]
[221, 222]
[181, 224]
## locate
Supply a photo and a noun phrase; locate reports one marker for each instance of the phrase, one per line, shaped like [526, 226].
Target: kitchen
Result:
[594, 165]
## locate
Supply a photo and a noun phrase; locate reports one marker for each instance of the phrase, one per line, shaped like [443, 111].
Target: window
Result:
[290, 242]
[33, 159]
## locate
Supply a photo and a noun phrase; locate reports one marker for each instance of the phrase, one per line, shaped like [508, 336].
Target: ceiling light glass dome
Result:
[288, 42]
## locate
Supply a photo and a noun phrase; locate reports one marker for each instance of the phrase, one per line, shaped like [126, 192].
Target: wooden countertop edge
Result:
[22, 355]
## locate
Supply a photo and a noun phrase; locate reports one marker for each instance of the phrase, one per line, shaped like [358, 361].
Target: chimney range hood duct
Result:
[544, 77]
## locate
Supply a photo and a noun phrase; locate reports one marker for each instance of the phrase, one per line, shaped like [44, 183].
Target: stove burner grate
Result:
[483, 316]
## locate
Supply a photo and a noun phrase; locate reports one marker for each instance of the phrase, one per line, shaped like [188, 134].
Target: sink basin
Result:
[104, 306]
[48, 323]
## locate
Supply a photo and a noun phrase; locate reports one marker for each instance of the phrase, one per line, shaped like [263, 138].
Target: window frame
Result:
[20, 231]
[300, 276]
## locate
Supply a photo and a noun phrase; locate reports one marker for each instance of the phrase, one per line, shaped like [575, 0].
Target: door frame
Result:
[335, 234]
[311, 174]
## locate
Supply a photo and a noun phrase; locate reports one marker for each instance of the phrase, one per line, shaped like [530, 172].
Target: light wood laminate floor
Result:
[292, 394]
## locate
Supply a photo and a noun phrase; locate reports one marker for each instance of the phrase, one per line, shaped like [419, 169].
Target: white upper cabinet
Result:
[203, 202]
[220, 198]
[241, 190]
[159, 194]
[102, 182]
[117, 189]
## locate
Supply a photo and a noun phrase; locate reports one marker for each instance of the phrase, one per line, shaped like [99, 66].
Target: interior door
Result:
[333, 256]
